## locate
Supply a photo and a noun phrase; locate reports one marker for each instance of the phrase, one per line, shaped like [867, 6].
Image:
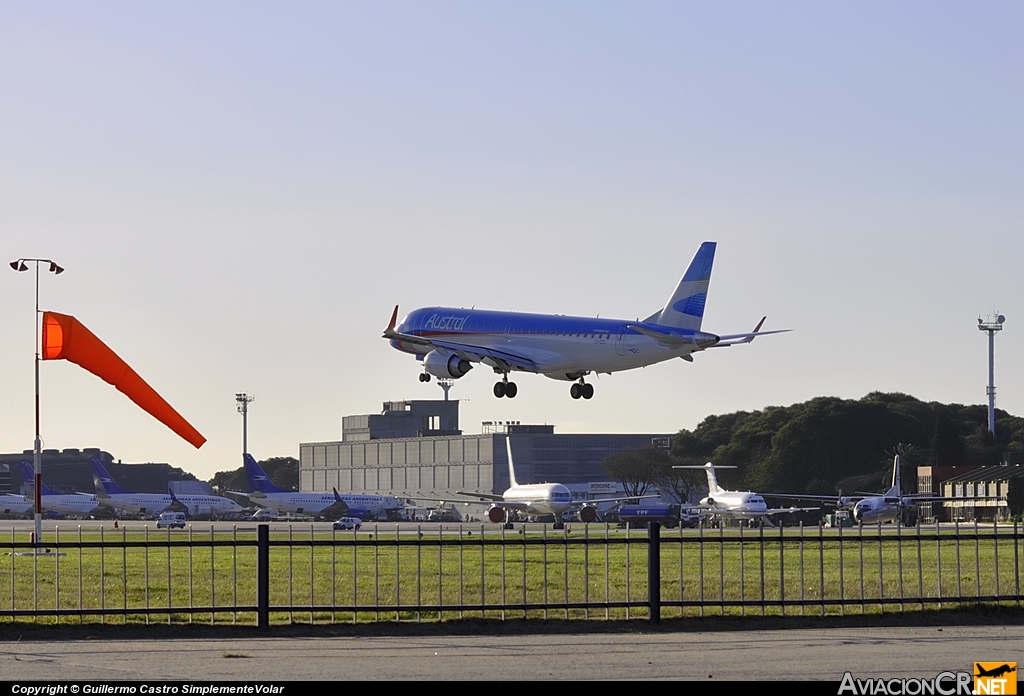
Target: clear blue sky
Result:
[241, 193]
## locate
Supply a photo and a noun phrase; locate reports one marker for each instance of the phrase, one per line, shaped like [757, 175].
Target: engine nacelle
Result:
[496, 514]
[588, 513]
[446, 366]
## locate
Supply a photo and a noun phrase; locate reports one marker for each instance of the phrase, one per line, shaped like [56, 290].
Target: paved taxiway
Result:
[789, 654]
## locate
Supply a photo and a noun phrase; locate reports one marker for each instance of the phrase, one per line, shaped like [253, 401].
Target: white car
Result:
[348, 523]
[171, 520]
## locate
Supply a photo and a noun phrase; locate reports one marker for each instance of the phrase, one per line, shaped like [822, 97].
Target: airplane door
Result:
[620, 342]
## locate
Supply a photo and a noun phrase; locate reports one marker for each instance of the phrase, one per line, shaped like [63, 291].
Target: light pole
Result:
[991, 325]
[243, 400]
[37, 456]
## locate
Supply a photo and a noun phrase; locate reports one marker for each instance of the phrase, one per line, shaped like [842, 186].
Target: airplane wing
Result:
[503, 360]
[489, 500]
[779, 511]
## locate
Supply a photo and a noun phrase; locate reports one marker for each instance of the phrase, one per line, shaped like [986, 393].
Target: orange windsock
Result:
[66, 338]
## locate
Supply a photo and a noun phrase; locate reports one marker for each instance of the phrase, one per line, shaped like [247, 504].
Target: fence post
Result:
[654, 572]
[263, 576]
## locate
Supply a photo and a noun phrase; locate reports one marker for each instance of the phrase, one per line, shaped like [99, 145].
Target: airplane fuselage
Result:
[313, 503]
[737, 505]
[875, 510]
[540, 498]
[560, 347]
[70, 504]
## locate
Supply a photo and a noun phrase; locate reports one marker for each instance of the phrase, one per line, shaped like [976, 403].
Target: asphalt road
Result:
[821, 653]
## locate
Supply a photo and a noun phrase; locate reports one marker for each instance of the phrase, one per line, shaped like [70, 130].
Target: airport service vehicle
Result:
[265, 494]
[348, 523]
[80, 504]
[736, 505]
[450, 341]
[534, 499]
[667, 515]
[171, 520]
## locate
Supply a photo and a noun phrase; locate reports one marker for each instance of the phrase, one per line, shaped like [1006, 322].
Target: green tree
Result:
[638, 469]
[283, 472]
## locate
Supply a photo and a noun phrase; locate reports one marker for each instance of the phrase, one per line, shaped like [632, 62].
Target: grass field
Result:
[596, 573]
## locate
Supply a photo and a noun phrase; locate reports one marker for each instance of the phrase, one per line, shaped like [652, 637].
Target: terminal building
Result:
[415, 449]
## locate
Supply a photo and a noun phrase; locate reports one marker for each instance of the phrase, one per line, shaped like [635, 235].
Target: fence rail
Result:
[250, 576]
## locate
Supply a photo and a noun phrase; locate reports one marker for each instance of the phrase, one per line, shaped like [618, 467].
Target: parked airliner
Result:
[533, 499]
[887, 507]
[110, 494]
[15, 504]
[735, 505]
[449, 341]
[68, 504]
[265, 494]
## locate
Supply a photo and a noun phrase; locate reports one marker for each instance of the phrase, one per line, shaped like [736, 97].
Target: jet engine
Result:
[588, 513]
[496, 513]
[446, 366]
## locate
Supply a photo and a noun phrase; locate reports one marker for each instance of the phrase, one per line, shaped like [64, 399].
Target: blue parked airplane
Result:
[449, 341]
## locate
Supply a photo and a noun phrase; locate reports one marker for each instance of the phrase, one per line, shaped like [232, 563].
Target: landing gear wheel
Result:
[558, 525]
[511, 390]
[499, 389]
[575, 391]
[587, 390]
[424, 377]
[509, 525]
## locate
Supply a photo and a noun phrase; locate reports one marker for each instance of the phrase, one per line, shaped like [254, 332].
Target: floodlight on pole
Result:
[37, 453]
[243, 400]
[991, 325]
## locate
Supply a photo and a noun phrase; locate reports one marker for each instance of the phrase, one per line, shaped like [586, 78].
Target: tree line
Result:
[823, 446]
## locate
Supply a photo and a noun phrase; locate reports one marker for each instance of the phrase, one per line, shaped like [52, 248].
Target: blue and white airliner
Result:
[68, 504]
[264, 493]
[109, 493]
[449, 341]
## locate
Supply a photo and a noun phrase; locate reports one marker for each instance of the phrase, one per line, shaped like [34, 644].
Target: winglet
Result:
[391, 324]
[756, 329]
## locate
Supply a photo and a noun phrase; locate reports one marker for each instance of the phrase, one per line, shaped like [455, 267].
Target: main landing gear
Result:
[425, 377]
[582, 389]
[505, 388]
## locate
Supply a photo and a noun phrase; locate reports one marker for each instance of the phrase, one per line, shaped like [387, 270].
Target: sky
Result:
[241, 192]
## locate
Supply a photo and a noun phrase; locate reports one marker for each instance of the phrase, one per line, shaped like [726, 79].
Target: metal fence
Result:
[246, 575]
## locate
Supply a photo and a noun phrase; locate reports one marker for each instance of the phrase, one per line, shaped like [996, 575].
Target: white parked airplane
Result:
[265, 494]
[68, 504]
[449, 341]
[110, 494]
[889, 506]
[735, 505]
[533, 499]
[15, 504]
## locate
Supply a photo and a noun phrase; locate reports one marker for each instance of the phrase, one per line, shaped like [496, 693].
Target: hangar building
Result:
[415, 448]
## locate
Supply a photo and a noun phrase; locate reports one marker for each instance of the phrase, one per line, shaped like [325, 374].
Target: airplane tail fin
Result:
[709, 469]
[685, 309]
[896, 491]
[258, 479]
[28, 479]
[103, 481]
[511, 467]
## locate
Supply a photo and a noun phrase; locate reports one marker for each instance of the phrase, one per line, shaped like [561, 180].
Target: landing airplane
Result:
[73, 504]
[887, 507]
[109, 493]
[449, 341]
[265, 494]
[533, 499]
[735, 505]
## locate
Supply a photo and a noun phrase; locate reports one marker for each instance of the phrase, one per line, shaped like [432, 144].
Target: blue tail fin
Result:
[28, 479]
[258, 479]
[685, 309]
[102, 480]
